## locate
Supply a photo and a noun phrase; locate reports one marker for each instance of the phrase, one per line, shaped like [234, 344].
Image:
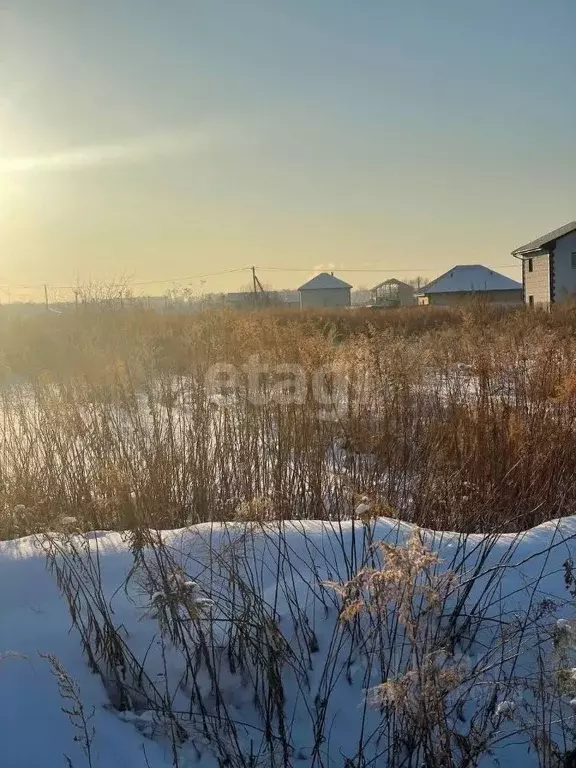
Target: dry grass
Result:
[460, 420]
[430, 654]
[454, 419]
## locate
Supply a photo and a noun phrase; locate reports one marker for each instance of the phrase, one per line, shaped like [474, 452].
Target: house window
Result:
[531, 265]
[573, 259]
[531, 301]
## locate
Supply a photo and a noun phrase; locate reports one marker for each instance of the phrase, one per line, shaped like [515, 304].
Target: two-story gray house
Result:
[549, 266]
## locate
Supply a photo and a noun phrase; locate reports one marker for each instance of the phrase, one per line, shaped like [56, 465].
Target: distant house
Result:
[467, 281]
[549, 266]
[392, 293]
[325, 290]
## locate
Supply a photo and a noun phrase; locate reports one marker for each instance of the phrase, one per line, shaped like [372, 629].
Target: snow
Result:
[324, 281]
[35, 619]
[506, 708]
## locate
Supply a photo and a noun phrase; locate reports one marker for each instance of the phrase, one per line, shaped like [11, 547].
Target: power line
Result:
[129, 282]
[164, 281]
[194, 277]
[368, 269]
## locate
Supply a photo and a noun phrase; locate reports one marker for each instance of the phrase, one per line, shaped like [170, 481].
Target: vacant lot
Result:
[454, 420]
[314, 629]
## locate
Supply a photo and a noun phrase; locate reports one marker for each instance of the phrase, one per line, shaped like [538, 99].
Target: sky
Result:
[165, 142]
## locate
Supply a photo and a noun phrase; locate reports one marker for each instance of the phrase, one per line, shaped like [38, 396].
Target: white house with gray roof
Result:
[325, 290]
[549, 266]
[471, 281]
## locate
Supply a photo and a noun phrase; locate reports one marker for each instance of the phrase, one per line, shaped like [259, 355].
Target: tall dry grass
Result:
[454, 419]
[402, 658]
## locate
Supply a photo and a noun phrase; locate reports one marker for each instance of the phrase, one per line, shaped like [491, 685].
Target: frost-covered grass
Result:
[303, 643]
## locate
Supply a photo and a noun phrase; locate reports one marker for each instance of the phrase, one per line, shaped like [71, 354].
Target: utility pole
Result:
[46, 295]
[259, 287]
[254, 284]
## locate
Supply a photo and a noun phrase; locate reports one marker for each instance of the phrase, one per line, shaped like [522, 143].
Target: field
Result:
[451, 420]
[288, 538]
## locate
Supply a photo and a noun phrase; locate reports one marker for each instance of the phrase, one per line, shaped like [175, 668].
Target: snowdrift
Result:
[266, 672]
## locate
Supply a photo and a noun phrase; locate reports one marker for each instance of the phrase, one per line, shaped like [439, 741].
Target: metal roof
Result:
[470, 278]
[391, 281]
[540, 242]
[324, 281]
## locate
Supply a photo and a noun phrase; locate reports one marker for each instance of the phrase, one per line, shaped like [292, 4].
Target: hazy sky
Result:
[162, 139]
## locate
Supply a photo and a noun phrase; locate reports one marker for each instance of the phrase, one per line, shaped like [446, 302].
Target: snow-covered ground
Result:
[512, 591]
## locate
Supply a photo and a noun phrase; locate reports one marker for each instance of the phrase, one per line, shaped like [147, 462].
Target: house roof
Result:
[391, 281]
[465, 278]
[540, 242]
[323, 281]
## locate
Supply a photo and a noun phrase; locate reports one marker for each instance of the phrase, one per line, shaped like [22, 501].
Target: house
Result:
[471, 281]
[325, 290]
[392, 293]
[549, 266]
